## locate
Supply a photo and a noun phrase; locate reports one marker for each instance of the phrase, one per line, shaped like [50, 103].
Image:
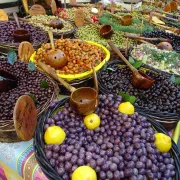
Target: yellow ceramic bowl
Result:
[70, 77]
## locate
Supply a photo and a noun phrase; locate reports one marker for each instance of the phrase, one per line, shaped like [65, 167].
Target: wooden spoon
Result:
[55, 57]
[125, 20]
[83, 100]
[105, 31]
[20, 34]
[54, 23]
[161, 45]
[138, 79]
[132, 36]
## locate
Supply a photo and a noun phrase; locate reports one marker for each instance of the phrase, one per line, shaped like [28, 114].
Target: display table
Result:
[17, 160]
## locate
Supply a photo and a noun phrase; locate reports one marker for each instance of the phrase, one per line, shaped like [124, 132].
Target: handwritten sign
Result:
[37, 10]
[25, 50]
[79, 18]
[53, 7]
[25, 117]
[112, 7]
[73, 2]
[3, 15]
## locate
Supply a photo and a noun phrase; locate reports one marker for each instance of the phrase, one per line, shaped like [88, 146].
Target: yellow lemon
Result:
[163, 142]
[84, 173]
[92, 121]
[126, 108]
[54, 135]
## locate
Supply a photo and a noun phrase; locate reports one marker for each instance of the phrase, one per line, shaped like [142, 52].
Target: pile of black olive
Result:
[163, 96]
[29, 82]
[37, 35]
[159, 33]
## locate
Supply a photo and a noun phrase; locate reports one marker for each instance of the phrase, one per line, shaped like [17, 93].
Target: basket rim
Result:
[50, 172]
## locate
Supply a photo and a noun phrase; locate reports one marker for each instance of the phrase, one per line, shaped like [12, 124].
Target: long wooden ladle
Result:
[138, 79]
[105, 31]
[164, 45]
[125, 20]
[83, 100]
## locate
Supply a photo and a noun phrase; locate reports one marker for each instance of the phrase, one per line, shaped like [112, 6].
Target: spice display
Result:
[159, 33]
[91, 33]
[161, 59]
[81, 55]
[121, 147]
[135, 27]
[163, 96]
[45, 18]
[29, 82]
[37, 35]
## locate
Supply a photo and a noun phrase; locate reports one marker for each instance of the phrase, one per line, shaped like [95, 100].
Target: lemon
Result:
[84, 173]
[126, 108]
[163, 142]
[54, 135]
[92, 121]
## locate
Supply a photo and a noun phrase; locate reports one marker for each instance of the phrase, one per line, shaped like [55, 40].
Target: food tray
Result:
[70, 77]
[169, 120]
[7, 130]
[51, 173]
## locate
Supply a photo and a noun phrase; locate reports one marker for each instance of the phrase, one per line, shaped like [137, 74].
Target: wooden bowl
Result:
[84, 100]
[127, 20]
[106, 31]
[20, 35]
[7, 81]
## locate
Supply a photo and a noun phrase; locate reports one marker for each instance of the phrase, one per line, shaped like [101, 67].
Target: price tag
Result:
[112, 7]
[79, 18]
[37, 10]
[53, 7]
[25, 117]
[3, 15]
[73, 2]
[25, 50]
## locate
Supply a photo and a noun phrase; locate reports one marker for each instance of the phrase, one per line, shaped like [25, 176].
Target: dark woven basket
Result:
[7, 130]
[51, 173]
[168, 120]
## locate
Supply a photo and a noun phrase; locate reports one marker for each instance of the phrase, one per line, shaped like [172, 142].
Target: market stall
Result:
[90, 91]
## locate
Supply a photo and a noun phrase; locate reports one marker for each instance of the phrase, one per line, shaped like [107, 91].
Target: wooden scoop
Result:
[20, 34]
[138, 79]
[55, 58]
[125, 20]
[54, 23]
[83, 100]
[105, 31]
[132, 36]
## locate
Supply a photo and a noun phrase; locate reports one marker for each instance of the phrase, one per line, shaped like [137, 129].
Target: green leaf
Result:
[174, 71]
[162, 65]
[137, 64]
[44, 84]
[127, 97]
[33, 98]
[177, 80]
[131, 60]
[111, 69]
[11, 56]
[144, 60]
[132, 99]
[105, 65]
[31, 66]
[172, 78]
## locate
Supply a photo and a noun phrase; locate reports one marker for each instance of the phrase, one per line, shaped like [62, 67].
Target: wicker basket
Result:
[7, 130]
[168, 120]
[51, 173]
